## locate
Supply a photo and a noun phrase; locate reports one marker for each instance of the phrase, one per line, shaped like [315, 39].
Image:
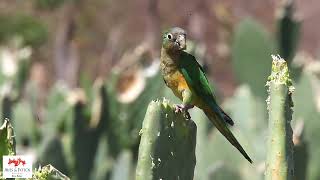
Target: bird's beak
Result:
[181, 42]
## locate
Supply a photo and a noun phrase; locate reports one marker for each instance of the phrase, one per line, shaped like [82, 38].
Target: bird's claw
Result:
[178, 108]
[183, 109]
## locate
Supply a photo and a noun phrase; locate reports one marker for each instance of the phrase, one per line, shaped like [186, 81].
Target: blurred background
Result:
[76, 77]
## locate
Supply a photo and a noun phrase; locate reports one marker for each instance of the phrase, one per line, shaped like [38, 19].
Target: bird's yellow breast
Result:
[177, 83]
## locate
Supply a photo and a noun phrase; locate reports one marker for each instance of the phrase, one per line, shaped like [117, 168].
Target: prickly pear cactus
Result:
[288, 30]
[305, 110]
[48, 172]
[24, 123]
[288, 35]
[102, 161]
[251, 51]
[127, 118]
[7, 140]
[51, 151]
[123, 166]
[215, 156]
[86, 131]
[58, 110]
[167, 147]
[279, 162]
[14, 69]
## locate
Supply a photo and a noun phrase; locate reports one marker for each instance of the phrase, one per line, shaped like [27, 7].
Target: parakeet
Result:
[186, 78]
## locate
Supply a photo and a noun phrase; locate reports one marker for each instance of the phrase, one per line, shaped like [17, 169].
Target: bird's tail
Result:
[219, 120]
[226, 117]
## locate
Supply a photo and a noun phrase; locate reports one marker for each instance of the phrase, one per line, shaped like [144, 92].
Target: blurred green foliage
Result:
[288, 35]
[49, 4]
[89, 133]
[251, 51]
[7, 140]
[33, 31]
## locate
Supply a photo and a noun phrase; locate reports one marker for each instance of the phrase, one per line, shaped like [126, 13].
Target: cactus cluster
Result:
[112, 130]
[85, 133]
[251, 50]
[8, 147]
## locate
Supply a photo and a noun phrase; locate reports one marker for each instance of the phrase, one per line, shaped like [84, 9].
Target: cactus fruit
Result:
[167, 147]
[279, 163]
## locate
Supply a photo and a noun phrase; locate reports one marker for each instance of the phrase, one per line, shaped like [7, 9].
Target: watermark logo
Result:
[17, 166]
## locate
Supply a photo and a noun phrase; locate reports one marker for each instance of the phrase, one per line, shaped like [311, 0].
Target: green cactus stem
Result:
[167, 147]
[251, 46]
[279, 164]
[85, 133]
[7, 140]
[288, 30]
[300, 151]
[122, 167]
[6, 106]
[288, 34]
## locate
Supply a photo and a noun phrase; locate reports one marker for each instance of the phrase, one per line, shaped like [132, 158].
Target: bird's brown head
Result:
[174, 39]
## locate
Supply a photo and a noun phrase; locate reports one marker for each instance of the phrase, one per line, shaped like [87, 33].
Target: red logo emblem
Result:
[16, 162]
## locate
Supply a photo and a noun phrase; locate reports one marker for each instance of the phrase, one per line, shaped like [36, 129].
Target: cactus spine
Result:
[279, 164]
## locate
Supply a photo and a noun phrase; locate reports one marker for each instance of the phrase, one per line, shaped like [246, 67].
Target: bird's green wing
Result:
[196, 78]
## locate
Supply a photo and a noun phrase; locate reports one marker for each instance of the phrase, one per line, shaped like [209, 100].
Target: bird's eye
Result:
[169, 36]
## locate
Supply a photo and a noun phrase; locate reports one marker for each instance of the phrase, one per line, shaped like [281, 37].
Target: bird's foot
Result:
[183, 109]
